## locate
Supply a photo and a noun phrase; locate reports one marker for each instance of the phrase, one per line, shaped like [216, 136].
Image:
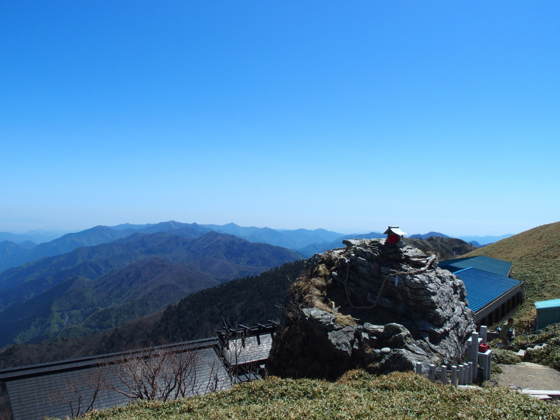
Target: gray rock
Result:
[421, 315]
[342, 340]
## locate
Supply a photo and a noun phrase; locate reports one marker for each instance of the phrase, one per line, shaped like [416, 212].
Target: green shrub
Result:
[505, 357]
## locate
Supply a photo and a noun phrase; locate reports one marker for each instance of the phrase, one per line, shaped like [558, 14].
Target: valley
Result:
[114, 288]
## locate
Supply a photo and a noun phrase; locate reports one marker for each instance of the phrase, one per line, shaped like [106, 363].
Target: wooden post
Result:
[444, 374]
[454, 375]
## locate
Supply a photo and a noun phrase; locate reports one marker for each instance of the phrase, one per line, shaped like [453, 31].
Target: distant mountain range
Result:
[314, 248]
[16, 250]
[14, 255]
[428, 235]
[444, 248]
[35, 236]
[196, 315]
[292, 239]
[96, 279]
[94, 288]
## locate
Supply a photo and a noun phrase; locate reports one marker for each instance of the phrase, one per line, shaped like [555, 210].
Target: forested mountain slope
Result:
[95, 288]
[79, 306]
[246, 301]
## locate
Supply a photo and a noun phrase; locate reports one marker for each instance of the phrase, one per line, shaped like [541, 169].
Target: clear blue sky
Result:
[344, 115]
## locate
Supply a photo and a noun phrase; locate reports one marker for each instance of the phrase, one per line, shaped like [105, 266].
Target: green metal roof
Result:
[491, 265]
[554, 303]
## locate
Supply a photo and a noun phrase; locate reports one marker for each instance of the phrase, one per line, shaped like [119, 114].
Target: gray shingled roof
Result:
[47, 390]
[251, 352]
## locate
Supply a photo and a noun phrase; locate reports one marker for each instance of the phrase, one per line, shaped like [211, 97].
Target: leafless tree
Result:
[5, 411]
[80, 393]
[214, 381]
[234, 337]
[154, 374]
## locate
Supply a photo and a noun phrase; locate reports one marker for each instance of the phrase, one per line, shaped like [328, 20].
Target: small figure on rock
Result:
[506, 332]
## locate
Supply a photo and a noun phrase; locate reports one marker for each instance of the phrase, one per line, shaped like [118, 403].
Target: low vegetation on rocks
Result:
[356, 395]
[504, 357]
[548, 355]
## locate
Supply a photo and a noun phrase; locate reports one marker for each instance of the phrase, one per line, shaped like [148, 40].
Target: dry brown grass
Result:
[356, 395]
[535, 255]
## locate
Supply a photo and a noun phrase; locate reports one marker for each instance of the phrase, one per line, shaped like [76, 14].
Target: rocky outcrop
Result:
[377, 306]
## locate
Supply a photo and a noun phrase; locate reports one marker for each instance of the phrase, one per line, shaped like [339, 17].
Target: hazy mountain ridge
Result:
[37, 236]
[308, 242]
[444, 247]
[67, 243]
[485, 240]
[428, 235]
[292, 239]
[12, 254]
[314, 248]
[230, 255]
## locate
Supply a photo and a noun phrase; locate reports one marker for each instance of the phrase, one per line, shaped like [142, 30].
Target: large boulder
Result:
[382, 307]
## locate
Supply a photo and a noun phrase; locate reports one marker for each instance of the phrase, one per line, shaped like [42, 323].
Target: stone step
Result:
[541, 392]
[541, 397]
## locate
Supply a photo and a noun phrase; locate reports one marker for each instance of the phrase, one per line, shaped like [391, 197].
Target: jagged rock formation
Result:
[372, 305]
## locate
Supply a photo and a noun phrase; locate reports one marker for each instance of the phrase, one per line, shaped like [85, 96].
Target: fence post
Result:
[486, 362]
[470, 373]
[444, 374]
[484, 333]
[454, 375]
[418, 368]
[432, 373]
[475, 356]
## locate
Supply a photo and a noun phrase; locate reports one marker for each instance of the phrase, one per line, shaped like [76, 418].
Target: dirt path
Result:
[528, 375]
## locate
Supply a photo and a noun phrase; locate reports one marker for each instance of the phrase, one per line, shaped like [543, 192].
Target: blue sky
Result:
[344, 115]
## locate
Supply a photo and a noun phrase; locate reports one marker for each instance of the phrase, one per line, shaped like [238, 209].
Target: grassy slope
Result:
[356, 395]
[535, 255]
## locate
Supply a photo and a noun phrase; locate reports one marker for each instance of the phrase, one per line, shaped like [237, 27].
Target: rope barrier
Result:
[398, 273]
